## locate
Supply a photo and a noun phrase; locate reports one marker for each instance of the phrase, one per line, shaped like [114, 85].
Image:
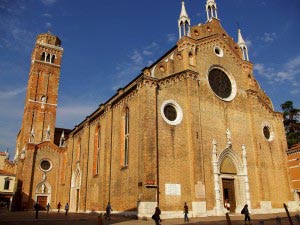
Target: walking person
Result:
[48, 207]
[108, 211]
[186, 212]
[37, 208]
[227, 205]
[58, 207]
[246, 212]
[156, 216]
[67, 208]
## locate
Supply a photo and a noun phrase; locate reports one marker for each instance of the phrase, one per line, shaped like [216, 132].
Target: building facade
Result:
[294, 166]
[193, 127]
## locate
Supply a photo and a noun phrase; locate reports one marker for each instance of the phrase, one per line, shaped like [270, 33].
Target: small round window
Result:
[218, 51]
[45, 165]
[171, 112]
[267, 133]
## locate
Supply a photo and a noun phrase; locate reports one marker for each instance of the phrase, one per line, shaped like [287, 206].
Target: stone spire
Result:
[62, 139]
[184, 22]
[211, 9]
[243, 46]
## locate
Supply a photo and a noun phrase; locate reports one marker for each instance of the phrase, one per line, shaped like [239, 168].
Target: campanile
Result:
[39, 116]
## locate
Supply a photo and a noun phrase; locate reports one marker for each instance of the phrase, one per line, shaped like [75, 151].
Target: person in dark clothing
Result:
[156, 216]
[186, 212]
[108, 211]
[246, 212]
[36, 208]
[58, 207]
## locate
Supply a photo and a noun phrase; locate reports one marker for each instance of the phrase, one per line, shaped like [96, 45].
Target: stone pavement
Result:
[28, 218]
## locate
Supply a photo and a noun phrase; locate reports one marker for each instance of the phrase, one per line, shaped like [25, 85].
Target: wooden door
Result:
[42, 200]
[229, 193]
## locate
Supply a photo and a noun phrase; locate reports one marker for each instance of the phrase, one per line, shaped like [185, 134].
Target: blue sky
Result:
[107, 43]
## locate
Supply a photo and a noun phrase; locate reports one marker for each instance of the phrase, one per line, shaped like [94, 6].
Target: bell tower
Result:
[38, 123]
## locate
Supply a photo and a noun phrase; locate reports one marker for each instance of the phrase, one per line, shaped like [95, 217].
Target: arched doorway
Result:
[228, 173]
[43, 194]
[230, 179]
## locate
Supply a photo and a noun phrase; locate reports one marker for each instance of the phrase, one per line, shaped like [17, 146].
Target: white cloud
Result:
[11, 93]
[146, 52]
[70, 115]
[48, 2]
[171, 37]
[47, 15]
[135, 62]
[48, 25]
[289, 72]
[268, 37]
[248, 43]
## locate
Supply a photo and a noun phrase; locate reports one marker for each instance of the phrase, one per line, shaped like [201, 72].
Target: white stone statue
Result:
[43, 188]
[228, 136]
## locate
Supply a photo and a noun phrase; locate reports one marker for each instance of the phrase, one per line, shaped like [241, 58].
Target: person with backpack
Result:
[246, 212]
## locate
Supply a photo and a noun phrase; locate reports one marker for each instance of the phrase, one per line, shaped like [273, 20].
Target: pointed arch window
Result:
[43, 57]
[48, 58]
[97, 148]
[78, 150]
[52, 59]
[126, 137]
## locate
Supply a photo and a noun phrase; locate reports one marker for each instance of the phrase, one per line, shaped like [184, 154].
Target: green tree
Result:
[291, 122]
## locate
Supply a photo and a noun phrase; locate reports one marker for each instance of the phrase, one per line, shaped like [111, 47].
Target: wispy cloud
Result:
[47, 15]
[289, 72]
[11, 93]
[48, 2]
[171, 37]
[268, 37]
[72, 114]
[137, 60]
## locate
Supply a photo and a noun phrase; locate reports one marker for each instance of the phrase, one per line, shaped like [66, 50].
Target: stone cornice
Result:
[175, 78]
[50, 46]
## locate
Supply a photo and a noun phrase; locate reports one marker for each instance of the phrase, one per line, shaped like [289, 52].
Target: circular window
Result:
[171, 112]
[218, 51]
[267, 133]
[221, 84]
[45, 165]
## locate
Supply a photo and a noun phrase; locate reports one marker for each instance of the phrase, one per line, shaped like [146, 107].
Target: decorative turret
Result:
[184, 22]
[211, 9]
[243, 46]
[62, 139]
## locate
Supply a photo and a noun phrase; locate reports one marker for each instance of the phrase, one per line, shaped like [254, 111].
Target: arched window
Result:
[48, 58]
[97, 147]
[52, 59]
[78, 150]
[126, 137]
[43, 56]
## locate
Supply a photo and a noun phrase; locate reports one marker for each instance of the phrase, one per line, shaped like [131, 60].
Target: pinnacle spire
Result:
[184, 22]
[240, 38]
[243, 46]
[183, 10]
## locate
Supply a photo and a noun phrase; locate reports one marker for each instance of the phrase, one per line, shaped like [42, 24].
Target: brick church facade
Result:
[193, 127]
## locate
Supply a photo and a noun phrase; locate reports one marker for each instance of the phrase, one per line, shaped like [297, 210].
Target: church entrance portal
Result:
[42, 200]
[229, 193]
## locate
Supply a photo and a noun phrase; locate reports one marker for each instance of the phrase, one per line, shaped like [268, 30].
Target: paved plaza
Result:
[53, 218]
